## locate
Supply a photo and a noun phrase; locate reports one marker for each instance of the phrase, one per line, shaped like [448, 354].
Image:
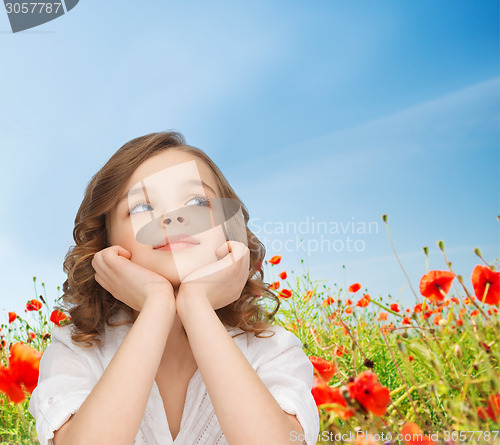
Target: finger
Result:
[123, 252]
[102, 270]
[238, 252]
[111, 254]
[231, 246]
[223, 249]
[98, 262]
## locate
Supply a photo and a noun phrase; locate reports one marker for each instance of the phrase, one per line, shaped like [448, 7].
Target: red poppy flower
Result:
[348, 302]
[325, 368]
[387, 329]
[395, 307]
[323, 394]
[348, 310]
[437, 319]
[33, 305]
[418, 308]
[308, 295]
[413, 435]
[367, 390]
[435, 284]
[492, 410]
[283, 275]
[339, 351]
[354, 287]
[406, 320]
[22, 370]
[474, 313]
[275, 259]
[58, 317]
[382, 316]
[12, 316]
[274, 285]
[327, 301]
[285, 293]
[486, 284]
[365, 301]
[410, 357]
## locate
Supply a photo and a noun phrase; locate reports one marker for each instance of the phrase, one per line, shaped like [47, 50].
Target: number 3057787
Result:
[33, 8]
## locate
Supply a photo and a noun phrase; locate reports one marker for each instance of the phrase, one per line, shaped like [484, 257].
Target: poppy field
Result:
[384, 372]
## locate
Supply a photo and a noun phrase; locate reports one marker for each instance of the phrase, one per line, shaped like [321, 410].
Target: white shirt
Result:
[68, 373]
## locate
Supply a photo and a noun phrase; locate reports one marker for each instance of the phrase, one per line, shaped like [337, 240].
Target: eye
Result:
[201, 199]
[138, 206]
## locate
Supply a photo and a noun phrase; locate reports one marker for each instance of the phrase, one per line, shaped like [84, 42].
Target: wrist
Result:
[190, 301]
[160, 300]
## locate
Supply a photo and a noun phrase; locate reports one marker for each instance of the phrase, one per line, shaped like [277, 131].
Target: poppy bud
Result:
[368, 363]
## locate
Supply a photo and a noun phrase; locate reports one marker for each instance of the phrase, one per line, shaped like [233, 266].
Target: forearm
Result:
[246, 410]
[113, 411]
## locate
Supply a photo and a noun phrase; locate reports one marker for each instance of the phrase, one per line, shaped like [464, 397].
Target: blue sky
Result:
[333, 112]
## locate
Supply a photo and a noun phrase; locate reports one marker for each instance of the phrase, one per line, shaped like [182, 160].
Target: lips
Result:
[180, 238]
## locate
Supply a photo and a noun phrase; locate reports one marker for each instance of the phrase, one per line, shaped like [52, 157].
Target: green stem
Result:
[386, 308]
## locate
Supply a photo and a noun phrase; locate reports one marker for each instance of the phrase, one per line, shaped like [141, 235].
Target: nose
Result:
[167, 221]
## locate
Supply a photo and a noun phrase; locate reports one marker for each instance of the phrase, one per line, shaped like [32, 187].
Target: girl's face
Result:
[165, 198]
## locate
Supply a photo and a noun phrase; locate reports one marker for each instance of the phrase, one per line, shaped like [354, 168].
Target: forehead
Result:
[178, 165]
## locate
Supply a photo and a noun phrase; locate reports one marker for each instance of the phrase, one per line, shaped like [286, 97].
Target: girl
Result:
[165, 343]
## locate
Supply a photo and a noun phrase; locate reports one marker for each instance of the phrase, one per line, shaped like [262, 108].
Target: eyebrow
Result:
[141, 190]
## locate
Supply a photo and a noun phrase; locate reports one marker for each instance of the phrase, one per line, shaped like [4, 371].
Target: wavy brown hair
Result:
[88, 304]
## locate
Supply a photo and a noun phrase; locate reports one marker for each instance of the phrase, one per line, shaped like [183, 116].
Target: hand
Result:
[127, 281]
[221, 282]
